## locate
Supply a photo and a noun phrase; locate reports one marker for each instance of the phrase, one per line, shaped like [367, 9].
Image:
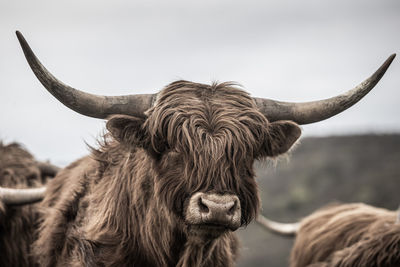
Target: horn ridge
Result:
[17, 196]
[314, 111]
[91, 105]
[284, 229]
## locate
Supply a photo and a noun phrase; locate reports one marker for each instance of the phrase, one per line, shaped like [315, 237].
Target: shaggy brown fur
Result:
[124, 205]
[18, 169]
[350, 235]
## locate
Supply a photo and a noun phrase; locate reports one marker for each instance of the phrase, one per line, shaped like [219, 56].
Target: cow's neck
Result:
[206, 253]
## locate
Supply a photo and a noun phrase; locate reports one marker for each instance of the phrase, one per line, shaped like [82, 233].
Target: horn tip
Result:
[381, 71]
[19, 34]
[390, 59]
[21, 38]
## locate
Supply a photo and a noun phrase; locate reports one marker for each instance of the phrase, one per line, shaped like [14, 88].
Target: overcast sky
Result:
[285, 50]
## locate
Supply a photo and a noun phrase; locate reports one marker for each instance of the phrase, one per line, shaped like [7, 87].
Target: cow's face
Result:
[204, 140]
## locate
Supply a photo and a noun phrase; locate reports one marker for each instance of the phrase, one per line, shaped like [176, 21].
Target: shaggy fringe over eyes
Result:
[217, 130]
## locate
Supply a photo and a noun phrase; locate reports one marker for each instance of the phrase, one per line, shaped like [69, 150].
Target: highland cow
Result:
[173, 178]
[347, 235]
[18, 169]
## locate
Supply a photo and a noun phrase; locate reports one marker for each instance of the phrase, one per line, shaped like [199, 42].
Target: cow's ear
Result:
[280, 138]
[128, 129]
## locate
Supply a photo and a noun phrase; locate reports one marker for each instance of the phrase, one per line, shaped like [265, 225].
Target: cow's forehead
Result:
[219, 121]
[181, 93]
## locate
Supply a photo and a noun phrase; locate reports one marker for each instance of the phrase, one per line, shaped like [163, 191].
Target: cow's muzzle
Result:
[209, 211]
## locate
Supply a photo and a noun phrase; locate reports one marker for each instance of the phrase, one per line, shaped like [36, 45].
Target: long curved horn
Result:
[13, 196]
[314, 111]
[91, 105]
[284, 229]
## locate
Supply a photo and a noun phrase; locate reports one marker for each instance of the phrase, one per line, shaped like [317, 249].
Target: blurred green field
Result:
[359, 168]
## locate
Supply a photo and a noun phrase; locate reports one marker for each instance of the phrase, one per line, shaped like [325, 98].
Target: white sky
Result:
[284, 50]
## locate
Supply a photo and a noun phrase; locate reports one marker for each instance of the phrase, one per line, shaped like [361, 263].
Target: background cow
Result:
[174, 176]
[18, 169]
[347, 235]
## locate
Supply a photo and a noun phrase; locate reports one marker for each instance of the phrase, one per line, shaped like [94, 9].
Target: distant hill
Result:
[359, 168]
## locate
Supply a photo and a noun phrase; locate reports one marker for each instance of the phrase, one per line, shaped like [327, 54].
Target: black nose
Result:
[223, 210]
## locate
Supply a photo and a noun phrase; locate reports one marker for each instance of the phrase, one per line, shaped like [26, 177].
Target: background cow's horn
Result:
[309, 112]
[13, 196]
[87, 104]
[284, 229]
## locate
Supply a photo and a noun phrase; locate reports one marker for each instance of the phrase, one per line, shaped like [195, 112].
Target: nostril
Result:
[233, 208]
[203, 207]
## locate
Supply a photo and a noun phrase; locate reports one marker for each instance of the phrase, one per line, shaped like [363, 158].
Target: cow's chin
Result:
[207, 231]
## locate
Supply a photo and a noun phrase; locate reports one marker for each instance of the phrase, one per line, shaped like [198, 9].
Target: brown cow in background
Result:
[347, 235]
[18, 169]
[173, 178]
